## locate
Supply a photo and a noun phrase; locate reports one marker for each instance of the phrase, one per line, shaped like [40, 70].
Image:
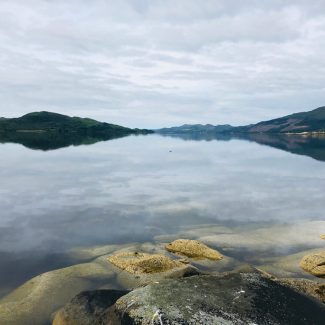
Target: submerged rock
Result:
[87, 307]
[237, 298]
[314, 264]
[287, 266]
[135, 262]
[34, 301]
[193, 248]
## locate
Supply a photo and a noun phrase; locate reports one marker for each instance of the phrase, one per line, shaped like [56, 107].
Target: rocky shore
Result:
[176, 280]
[244, 296]
[233, 298]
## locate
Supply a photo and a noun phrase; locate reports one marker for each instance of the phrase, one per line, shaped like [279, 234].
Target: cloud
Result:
[155, 63]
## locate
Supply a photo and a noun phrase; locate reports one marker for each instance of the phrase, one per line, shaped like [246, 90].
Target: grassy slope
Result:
[313, 121]
[53, 122]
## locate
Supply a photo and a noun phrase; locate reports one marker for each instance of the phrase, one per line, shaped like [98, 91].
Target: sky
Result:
[156, 63]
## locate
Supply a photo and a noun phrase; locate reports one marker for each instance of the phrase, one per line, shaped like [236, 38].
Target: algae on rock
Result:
[314, 264]
[135, 262]
[193, 248]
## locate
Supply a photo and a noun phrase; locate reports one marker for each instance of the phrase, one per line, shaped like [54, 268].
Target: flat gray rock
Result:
[237, 298]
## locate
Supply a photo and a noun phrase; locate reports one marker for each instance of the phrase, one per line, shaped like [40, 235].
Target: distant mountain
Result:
[48, 131]
[306, 122]
[196, 128]
[313, 121]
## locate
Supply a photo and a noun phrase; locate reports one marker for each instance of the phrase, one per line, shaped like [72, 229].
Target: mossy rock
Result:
[314, 264]
[193, 249]
[138, 263]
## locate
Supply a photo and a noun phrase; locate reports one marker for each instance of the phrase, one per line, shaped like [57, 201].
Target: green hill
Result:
[312, 121]
[48, 131]
[39, 122]
[305, 122]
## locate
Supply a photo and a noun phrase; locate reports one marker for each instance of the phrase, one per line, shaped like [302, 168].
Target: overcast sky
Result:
[154, 63]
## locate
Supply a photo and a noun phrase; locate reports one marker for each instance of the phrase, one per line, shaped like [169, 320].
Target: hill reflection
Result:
[53, 140]
[307, 145]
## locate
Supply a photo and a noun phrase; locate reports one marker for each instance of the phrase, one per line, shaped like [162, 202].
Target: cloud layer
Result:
[161, 62]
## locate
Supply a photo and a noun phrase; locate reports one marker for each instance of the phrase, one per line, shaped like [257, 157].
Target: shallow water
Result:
[138, 188]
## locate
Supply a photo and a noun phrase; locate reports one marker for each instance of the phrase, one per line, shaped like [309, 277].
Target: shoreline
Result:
[44, 294]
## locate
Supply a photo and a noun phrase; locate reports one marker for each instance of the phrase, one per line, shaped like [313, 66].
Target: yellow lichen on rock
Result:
[135, 262]
[193, 248]
[314, 264]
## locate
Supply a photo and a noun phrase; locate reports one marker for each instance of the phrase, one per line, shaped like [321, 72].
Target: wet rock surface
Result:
[233, 298]
[193, 248]
[314, 264]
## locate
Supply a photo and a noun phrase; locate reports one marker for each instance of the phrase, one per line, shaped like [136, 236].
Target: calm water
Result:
[138, 187]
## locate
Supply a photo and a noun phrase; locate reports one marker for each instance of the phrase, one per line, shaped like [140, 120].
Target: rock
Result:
[314, 264]
[287, 266]
[308, 287]
[87, 307]
[134, 269]
[129, 280]
[322, 236]
[34, 301]
[193, 248]
[237, 298]
[136, 263]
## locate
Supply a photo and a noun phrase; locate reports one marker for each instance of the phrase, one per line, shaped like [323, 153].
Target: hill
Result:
[49, 131]
[40, 122]
[312, 121]
[196, 128]
[305, 122]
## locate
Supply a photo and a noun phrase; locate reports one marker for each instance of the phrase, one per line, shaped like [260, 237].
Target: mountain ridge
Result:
[302, 122]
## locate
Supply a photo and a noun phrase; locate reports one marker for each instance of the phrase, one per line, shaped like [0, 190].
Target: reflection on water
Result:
[141, 187]
[307, 145]
[53, 140]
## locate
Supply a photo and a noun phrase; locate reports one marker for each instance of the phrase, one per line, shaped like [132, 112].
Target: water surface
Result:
[138, 187]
